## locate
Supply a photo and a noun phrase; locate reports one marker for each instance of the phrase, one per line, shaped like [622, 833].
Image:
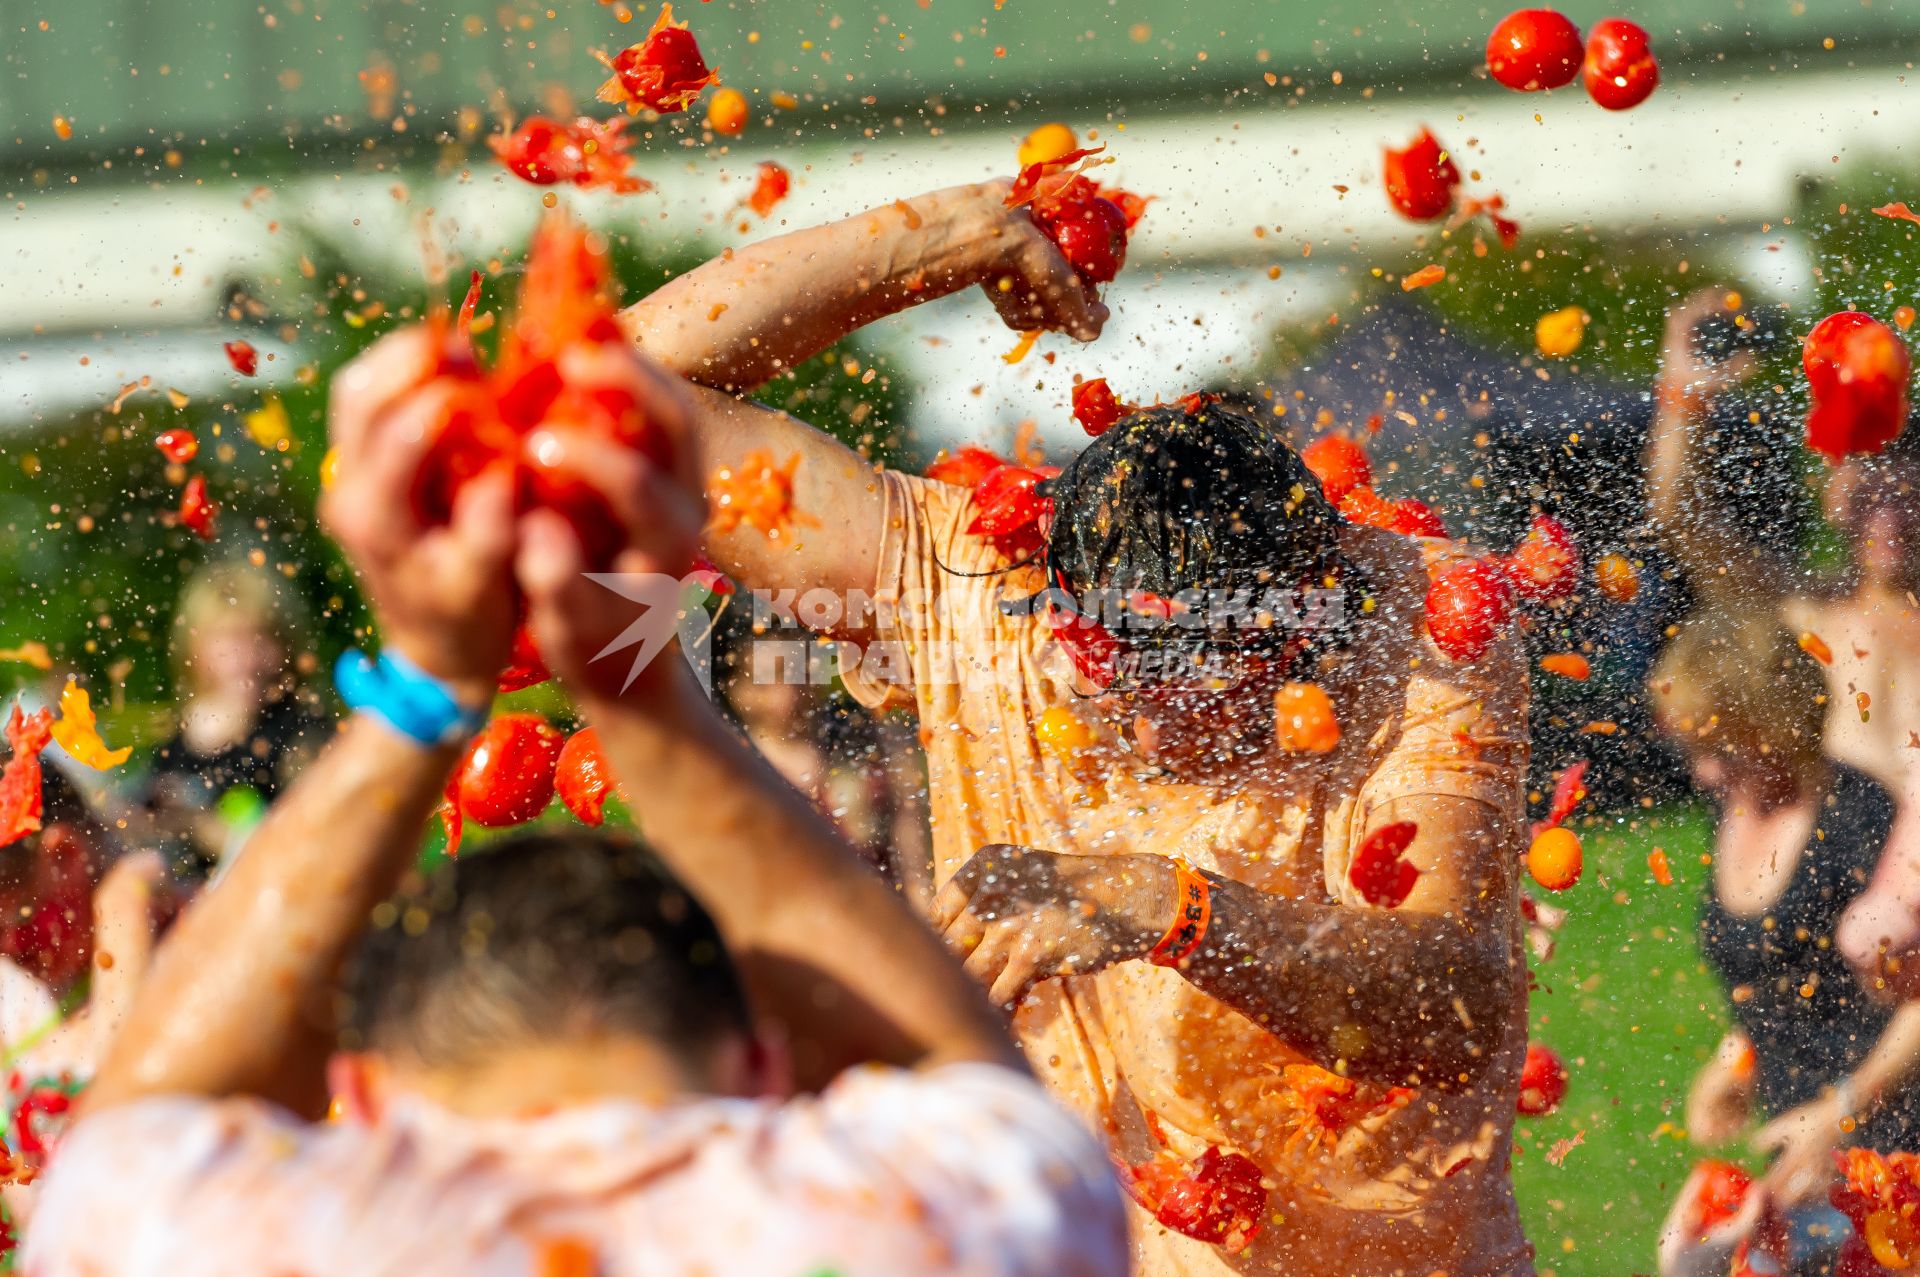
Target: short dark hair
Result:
[543, 936]
[1202, 496]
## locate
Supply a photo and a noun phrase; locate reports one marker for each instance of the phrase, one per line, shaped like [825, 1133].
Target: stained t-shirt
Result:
[1421, 1187]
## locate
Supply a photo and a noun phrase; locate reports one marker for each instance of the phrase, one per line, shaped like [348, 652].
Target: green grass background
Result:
[1629, 1005]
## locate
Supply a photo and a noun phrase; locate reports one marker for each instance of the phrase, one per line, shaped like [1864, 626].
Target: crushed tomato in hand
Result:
[665, 72]
[587, 153]
[1089, 229]
[1380, 871]
[20, 795]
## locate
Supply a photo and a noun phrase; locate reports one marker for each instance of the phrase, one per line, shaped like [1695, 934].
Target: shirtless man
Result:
[1288, 1025]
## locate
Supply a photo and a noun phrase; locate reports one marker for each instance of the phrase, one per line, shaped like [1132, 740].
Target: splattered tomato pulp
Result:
[1421, 178]
[665, 72]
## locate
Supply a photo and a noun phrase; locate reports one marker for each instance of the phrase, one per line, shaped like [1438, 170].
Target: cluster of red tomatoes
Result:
[513, 769]
[1533, 49]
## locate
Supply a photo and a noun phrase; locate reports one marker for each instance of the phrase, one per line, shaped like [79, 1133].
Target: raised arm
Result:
[240, 999]
[1422, 994]
[828, 949]
[1685, 510]
[752, 313]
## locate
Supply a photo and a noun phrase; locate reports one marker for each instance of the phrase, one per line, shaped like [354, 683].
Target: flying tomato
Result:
[1421, 178]
[1416, 518]
[1614, 576]
[197, 510]
[1045, 144]
[1567, 665]
[1857, 370]
[506, 777]
[78, 731]
[586, 153]
[582, 777]
[1568, 789]
[1340, 464]
[1095, 407]
[1545, 566]
[728, 112]
[1543, 1081]
[1554, 858]
[1380, 871]
[1619, 70]
[665, 72]
[1533, 49]
[179, 446]
[770, 185]
[1303, 719]
[1468, 607]
[244, 358]
[1364, 505]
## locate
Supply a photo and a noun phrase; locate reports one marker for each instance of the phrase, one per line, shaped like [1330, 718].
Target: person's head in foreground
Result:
[1743, 703]
[1205, 544]
[550, 968]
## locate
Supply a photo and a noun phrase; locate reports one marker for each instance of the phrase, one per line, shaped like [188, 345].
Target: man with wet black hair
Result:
[567, 1054]
[1128, 855]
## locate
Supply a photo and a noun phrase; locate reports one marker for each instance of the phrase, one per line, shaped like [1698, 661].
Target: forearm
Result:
[1888, 1068]
[827, 947]
[752, 313]
[240, 1000]
[1403, 998]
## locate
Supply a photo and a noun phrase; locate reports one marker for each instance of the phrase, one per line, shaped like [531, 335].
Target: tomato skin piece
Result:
[1095, 407]
[966, 466]
[1379, 871]
[1857, 370]
[1619, 70]
[525, 667]
[21, 796]
[1543, 1081]
[244, 358]
[1340, 464]
[1420, 178]
[179, 446]
[1533, 49]
[1416, 518]
[582, 777]
[197, 510]
[770, 185]
[506, 777]
[1468, 607]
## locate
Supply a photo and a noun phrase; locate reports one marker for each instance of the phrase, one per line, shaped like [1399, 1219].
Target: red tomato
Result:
[1468, 607]
[1379, 872]
[770, 185]
[1722, 1188]
[1095, 407]
[1421, 178]
[197, 510]
[1340, 464]
[1543, 1081]
[665, 72]
[965, 466]
[1534, 49]
[507, 775]
[244, 358]
[1417, 519]
[583, 778]
[1218, 1199]
[1619, 70]
[1364, 505]
[525, 668]
[21, 798]
[1009, 512]
[1545, 565]
[1133, 206]
[177, 445]
[1857, 371]
[1092, 235]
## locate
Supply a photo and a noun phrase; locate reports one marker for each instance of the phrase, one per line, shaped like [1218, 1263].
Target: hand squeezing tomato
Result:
[503, 416]
[1089, 228]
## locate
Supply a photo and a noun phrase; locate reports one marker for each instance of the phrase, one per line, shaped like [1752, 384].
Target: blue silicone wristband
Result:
[406, 698]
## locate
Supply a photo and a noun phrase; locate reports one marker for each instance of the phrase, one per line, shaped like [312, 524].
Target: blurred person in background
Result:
[245, 722]
[1862, 624]
[1797, 836]
[557, 1060]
